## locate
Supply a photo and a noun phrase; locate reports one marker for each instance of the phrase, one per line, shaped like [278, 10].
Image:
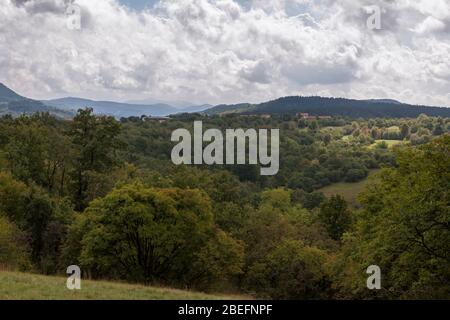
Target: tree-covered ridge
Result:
[103, 194]
[7, 95]
[14, 104]
[322, 106]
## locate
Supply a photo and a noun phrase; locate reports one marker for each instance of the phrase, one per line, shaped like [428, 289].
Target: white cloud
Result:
[220, 51]
[429, 25]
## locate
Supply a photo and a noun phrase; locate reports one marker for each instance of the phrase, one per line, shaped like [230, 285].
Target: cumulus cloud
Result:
[226, 51]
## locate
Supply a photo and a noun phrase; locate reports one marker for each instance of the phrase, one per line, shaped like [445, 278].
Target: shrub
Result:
[13, 248]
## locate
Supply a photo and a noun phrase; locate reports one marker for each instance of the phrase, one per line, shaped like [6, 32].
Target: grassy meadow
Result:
[348, 190]
[25, 286]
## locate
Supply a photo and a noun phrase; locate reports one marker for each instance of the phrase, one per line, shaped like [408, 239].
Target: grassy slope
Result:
[18, 286]
[349, 190]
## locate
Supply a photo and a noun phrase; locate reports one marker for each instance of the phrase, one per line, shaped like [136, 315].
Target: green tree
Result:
[404, 229]
[438, 130]
[216, 261]
[278, 198]
[13, 195]
[39, 152]
[404, 131]
[13, 246]
[152, 235]
[27, 149]
[40, 216]
[335, 216]
[326, 139]
[313, 125]
[375, 133]
[291, 271]
[96, 143]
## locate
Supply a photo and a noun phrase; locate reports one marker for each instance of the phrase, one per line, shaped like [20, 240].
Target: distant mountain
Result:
[15, 105]
[317, 106]
[183, 106]
[7, 95]
[176, 104]
[384, 101]
[116, 109]
[198, 108]
[230, 108]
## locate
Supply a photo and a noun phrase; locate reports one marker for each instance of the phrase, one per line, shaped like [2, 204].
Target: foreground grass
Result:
[24, 286]
[348, 190]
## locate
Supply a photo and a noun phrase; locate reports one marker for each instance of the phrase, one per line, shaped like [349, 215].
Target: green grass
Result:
[395, 129]
[24, 286]
[348, 190]
[330, 129]
[347, 138]
[390, 143]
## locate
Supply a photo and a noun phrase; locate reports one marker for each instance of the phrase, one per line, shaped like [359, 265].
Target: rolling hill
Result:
[111, 108]
[7, 95]
[196, 108]
[15, 105]
[316, 106]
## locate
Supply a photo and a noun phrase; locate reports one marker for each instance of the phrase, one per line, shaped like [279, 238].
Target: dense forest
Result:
[103, 194]
[383, 108]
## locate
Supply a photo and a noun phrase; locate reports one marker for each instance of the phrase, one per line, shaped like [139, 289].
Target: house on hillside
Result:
[263, 116]
[157, 119]
[306, 116]
[302, 115]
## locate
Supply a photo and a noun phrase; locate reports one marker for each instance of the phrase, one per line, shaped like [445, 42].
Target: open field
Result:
[394, 129]
[389, 143]
[349, 190]
[24, 286]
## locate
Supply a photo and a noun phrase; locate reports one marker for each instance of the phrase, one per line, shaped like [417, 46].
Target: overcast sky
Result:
[225, 51]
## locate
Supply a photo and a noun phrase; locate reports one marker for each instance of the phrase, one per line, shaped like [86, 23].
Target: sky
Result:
[227, 51]
[139, 4]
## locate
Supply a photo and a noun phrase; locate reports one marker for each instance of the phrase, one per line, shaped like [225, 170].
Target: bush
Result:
[291, 271]
[307, 200]
[13, 248]
[335, 216]
[382, 145]
[354, 175]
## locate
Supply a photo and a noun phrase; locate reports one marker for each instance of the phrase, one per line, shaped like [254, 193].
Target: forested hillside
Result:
[13, 104]
[103, 194]
[111, 108]
[321, 106]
